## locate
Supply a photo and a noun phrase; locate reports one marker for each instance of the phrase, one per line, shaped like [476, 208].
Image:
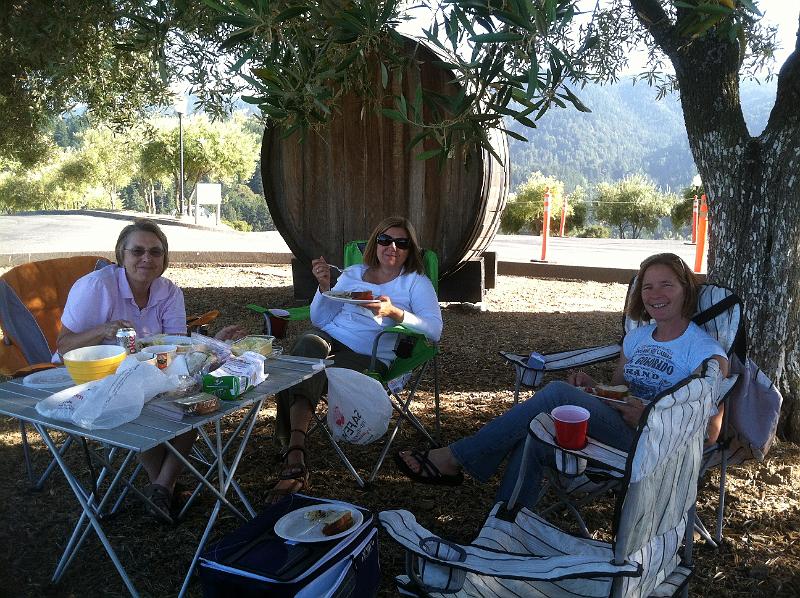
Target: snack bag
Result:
[247, 371]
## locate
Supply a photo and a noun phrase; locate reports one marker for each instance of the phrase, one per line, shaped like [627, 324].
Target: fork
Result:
[335, 267]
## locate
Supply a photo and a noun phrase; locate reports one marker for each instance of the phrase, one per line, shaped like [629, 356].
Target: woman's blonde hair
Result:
[636, 308]
[413, 261]
[146, 226]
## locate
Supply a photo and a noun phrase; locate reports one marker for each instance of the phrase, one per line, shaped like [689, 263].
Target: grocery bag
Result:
[359, 408]
[110, 402]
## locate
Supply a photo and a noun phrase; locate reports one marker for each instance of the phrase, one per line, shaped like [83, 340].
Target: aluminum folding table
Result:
[121, 444]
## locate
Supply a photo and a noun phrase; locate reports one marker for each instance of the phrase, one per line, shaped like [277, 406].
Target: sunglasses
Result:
[400, 242]
[155, 252]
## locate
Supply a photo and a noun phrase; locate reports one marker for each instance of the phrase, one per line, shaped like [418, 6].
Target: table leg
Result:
[211, 467]
[87, 508]
[72, 547]
[224, 478]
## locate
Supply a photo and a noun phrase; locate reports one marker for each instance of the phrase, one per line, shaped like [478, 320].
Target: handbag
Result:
[755, 405]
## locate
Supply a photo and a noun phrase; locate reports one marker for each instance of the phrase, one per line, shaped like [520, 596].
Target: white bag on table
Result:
[110, 402]
[359, 408]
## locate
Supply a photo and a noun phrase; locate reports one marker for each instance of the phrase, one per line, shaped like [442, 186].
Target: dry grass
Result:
[762, 556]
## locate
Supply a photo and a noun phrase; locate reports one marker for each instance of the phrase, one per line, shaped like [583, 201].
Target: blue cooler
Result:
[254, 561]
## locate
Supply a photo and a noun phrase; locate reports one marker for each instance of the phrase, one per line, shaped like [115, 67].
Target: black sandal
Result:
[160, 503]
[428, 473]
[297, 472]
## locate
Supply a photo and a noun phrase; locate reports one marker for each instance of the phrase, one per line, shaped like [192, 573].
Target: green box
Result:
[224, 387]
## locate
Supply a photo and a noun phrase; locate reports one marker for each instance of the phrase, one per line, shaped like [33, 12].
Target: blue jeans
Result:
[481, 454]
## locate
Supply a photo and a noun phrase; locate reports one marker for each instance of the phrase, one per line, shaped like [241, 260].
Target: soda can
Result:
[126, 337]
[224, 387]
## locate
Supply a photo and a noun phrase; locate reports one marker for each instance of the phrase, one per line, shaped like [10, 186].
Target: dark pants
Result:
[318, 344]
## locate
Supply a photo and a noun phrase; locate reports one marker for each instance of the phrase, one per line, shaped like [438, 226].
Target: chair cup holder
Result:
[431, 576]
[569, 464]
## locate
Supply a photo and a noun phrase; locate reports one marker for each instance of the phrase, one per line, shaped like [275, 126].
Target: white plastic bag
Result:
[359, 409]
[109, 402]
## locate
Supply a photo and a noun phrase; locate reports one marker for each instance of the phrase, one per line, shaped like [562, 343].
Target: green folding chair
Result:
[404, 374]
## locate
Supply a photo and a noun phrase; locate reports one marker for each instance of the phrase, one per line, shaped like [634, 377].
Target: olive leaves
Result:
[506, 58]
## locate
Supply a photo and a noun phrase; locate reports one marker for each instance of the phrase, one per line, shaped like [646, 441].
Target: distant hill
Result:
[628, 131]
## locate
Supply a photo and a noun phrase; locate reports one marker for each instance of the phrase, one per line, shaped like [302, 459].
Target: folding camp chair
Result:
[518, 553]
[719, 313]
[405, 372]
[32, 299]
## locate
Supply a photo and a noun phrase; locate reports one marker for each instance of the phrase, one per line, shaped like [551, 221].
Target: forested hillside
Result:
[627, 132]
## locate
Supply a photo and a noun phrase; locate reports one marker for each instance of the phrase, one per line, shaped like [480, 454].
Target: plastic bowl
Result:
[95, 362]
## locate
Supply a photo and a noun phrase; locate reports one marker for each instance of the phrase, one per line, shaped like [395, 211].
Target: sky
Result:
[783, 13]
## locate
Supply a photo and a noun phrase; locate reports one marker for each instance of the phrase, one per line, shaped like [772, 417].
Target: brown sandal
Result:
[296, 472]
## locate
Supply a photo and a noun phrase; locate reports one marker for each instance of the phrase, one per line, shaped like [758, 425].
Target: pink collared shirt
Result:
[105, 295]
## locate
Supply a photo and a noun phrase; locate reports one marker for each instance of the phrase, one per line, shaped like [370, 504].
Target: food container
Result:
[164, 354]
[198, 404]
[258, 343]
[95, 362]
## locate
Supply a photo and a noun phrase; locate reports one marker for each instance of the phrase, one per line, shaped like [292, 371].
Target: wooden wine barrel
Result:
[338, 183]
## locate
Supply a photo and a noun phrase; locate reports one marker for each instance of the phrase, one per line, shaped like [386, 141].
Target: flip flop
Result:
[428, 473]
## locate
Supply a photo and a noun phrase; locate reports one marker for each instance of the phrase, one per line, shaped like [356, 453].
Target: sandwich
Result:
[618, 392]
[361, 295]
[342, 523]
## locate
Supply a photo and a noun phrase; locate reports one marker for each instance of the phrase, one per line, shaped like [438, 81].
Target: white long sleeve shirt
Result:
[357, 327]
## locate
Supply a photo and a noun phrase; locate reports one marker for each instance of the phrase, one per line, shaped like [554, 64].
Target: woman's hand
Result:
[631, 410]
[109, 329]
[384, 308]
[232, 332]
[322, 272]
[580, 379]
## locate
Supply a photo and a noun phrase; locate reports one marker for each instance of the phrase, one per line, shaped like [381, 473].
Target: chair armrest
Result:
[564, 360]
[403, 527]
[543, 429]
[412, 361]
[295, 313]
[32, 369]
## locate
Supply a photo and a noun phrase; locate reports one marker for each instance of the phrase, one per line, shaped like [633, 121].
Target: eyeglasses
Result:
[401, 242]
[155, 252]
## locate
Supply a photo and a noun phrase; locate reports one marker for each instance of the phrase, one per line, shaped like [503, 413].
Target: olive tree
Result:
[632, 205]
[525, 211]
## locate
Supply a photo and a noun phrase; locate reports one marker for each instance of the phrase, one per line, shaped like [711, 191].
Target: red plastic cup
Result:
[572, 423]
[277, 322]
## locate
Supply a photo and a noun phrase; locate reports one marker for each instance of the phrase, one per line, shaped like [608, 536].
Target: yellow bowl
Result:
[95, 362]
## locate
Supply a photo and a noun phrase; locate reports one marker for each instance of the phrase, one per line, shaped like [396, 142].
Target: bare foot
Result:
[442, 458]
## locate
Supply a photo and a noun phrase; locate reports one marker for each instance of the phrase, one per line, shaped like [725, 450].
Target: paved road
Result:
[40, 235]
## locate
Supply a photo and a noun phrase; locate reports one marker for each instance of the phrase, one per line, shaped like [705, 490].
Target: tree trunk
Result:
[753, 189]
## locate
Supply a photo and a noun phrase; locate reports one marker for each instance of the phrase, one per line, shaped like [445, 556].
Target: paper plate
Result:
[335, 297]
[52, 378]
[295, 527]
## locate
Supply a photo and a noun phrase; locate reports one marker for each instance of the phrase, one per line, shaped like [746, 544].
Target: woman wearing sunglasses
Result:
[134, 294]
[394, 273]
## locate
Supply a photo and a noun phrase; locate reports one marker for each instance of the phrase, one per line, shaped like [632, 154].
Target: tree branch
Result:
[655, 20]
[785, 112]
